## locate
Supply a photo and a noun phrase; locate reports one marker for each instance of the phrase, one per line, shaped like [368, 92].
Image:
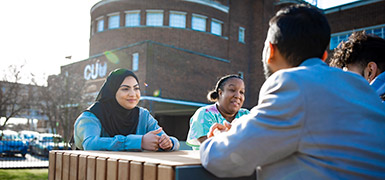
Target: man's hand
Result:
[150, 141]
[218, 128]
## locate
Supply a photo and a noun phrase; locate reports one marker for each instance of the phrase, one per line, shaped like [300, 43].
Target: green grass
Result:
[24, 174]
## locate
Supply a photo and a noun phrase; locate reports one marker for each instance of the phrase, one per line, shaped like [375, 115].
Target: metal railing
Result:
[18, 153]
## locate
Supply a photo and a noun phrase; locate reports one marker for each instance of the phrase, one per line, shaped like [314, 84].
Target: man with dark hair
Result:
[312, 121]
[365, 55]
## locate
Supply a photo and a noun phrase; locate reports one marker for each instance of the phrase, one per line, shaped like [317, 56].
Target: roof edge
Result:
[349, 6]
[172, 101]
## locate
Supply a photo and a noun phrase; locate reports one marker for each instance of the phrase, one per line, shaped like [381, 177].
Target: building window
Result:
[100, 24]
[132, 18]
[113, 21]
[216, 27]
[241, 35]
[177, 19]
[337, 38]
[154, 18]
[334, 41]
[380, 32]
[135, 61]
[198, 22]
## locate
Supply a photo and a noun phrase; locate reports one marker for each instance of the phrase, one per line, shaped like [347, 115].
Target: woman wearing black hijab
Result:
[115, 122]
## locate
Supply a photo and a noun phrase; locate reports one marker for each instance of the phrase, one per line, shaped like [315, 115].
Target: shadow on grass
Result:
[24, 174]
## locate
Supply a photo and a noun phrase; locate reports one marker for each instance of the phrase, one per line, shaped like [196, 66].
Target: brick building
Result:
[179, 48]
[366, 15]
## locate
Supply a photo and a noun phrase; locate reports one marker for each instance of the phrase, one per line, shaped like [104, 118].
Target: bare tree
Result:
[48, 106]
[15, 98]
[62, 101]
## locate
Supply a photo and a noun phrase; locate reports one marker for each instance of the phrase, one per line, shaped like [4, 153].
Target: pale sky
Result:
[323, 4]
[41, 33]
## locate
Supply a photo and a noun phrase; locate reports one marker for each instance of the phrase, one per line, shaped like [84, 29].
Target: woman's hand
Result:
[150, 141]
[165, 142]
[218, 128]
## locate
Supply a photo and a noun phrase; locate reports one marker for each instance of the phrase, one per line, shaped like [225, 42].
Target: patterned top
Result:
[203, 119]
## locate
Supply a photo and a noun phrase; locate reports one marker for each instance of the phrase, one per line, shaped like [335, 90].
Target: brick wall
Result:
[191, 72]
[358, 17]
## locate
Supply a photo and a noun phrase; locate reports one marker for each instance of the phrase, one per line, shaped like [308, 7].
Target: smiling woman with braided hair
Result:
[228, 95]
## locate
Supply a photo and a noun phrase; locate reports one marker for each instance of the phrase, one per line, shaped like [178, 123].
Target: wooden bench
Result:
[113, 165]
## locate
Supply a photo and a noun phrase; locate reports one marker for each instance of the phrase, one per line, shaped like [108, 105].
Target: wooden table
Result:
[103, 165]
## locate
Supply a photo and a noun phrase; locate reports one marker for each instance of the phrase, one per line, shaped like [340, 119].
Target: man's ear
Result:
[371, 71]
[271, 52]
[324, 56]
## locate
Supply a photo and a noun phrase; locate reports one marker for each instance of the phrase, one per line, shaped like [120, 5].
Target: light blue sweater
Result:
[89, 134]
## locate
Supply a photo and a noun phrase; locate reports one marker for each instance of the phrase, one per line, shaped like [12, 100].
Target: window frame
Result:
[98, 20]
[131, 12]
[154, 12]
[198, 16]
[337, 38]
[241, 34]
[116, 14]
[178, 13]
[135, 61]
[218, 22]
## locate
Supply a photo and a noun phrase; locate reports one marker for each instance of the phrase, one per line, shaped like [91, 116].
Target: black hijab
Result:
[115, 119]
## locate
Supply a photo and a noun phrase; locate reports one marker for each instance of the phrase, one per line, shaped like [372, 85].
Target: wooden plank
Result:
[66, 166]
[149, 171]
[169, 160]
[112, 169]
[101, 168]
[82, 171]
[123, 170]
[177, 158]
[52, 164]
[74, 164]
[58, 166]
[136, 170]
[91, 167]
[166, 172]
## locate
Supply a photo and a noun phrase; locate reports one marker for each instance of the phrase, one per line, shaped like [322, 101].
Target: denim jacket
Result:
[89, 134]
